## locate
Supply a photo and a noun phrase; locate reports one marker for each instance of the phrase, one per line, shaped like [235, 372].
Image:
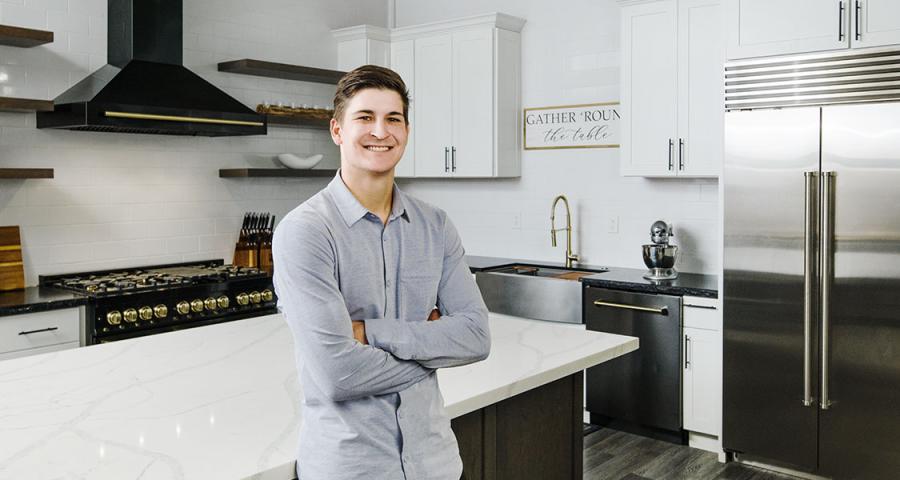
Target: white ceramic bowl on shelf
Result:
[290, 160]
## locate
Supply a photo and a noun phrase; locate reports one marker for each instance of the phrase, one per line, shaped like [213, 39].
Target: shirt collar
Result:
[350, 208]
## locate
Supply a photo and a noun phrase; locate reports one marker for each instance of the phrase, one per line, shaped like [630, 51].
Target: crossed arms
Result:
[396, 353]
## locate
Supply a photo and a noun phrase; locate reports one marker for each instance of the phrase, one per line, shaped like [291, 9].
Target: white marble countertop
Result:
[223, 401]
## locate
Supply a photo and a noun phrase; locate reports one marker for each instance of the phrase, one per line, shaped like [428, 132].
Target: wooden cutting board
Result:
[12, 272]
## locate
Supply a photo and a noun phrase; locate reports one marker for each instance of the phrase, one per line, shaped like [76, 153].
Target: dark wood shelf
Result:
[298, 121]
[17, 173]
[10, 104]
[274, 172]
[23, 37]
[284, 71]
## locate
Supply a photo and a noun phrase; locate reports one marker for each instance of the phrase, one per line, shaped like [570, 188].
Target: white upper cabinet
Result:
[464, 79]
[672, 89]
[759, 28]
[403, 62]
[701, 53]
[875, 23]
[433, 104]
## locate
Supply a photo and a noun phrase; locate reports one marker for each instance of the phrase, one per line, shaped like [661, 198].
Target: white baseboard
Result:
[786, 471]
[710, 443]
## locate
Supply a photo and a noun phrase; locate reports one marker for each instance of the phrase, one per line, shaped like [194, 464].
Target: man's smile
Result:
[378, 148]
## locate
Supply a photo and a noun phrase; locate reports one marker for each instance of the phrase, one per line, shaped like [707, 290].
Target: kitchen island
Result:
[223, 402]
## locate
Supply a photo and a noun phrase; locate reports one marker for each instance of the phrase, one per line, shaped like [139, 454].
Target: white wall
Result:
[570, 55]
[126, 200]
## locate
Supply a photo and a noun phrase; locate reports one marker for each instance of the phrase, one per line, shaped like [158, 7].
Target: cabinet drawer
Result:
[41, 329]
[702, 313]
[37, 351]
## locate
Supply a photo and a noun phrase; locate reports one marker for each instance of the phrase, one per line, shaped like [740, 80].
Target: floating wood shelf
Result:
[17, 173]
[23, 37]
[274, 172]
[298, 121]
[284, 71]
[10, 104]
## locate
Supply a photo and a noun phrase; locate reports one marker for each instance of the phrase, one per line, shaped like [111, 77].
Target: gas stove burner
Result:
[153, 278]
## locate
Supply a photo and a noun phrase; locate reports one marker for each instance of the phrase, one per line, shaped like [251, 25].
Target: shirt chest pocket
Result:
[419, 282]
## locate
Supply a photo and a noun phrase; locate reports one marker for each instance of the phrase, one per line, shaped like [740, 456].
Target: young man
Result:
[359, 270]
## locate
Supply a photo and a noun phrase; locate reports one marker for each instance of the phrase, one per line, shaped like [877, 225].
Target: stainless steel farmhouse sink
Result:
[534, 291]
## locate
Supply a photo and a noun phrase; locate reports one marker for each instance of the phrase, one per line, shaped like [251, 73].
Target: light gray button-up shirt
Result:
[375, 411]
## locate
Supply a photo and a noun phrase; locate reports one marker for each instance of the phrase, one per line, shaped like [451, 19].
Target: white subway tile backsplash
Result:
[20, 15]
[182, 245]
[128, 249]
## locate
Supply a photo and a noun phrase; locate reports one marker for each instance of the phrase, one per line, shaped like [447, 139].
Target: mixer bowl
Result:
[659, 256]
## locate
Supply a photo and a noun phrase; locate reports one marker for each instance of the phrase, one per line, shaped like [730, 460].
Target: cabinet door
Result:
[472, 153]
[702, 380]
[649, 89]
[403, 62]
[433, 102]
[875, 23]
[758, 28]
[701, 59]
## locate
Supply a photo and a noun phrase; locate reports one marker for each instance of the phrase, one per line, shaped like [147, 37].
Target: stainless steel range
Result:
[161, 298]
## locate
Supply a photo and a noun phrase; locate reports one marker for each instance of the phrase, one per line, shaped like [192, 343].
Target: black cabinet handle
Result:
[841, 21]
[671, 144]
[48, 329]
[858, 22]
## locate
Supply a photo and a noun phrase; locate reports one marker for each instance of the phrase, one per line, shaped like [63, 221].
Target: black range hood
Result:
[145, 88]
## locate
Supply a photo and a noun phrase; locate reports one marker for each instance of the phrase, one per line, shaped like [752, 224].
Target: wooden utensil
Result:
[12, 271]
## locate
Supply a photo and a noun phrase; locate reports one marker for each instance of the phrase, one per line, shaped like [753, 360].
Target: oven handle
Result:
[48, 329]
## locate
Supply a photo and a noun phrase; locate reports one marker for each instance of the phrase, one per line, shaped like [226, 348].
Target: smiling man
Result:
[374, 286]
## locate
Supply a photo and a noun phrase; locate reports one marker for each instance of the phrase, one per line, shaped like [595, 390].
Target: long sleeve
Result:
[461, 336]
[312, 304]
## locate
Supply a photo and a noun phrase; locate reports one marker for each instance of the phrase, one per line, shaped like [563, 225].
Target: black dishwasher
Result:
[639, 392]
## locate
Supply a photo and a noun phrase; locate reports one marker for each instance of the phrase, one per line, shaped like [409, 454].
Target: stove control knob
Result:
[131, 315]
[161, 311]
[183, 307]
[243, 299]
[197, 305]
[255, 297]
[267, 295]
[223, 301]
[146, 313]
[114, 317]
[211, 303]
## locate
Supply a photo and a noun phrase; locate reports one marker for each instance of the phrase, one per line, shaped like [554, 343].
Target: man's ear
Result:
[335, 130]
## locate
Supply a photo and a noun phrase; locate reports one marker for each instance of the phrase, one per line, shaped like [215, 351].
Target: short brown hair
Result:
[369, 76]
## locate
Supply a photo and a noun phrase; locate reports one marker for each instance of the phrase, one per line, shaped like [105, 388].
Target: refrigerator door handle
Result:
[811, 214]
[827, 276]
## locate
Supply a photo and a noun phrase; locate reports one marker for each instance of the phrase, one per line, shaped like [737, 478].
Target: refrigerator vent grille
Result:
[851, 76]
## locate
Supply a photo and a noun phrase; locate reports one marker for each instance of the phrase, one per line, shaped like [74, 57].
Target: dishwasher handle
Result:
[657, 310]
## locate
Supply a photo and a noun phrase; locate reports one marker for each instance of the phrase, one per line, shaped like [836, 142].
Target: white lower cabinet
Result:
[39, 332]
[702, 366]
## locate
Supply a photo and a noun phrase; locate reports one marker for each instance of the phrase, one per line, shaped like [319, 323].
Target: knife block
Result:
[245, 255]
[12, 271]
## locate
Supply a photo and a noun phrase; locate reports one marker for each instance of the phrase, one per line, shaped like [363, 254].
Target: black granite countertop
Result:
[36, 299]
[617, 278]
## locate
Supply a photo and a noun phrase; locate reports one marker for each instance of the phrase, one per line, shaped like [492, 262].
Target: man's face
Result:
[372, 133]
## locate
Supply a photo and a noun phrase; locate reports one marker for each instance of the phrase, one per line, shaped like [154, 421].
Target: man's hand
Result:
[434, 315]
[359, 332]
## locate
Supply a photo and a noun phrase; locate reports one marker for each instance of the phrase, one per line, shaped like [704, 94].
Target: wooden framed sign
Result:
[593, 125]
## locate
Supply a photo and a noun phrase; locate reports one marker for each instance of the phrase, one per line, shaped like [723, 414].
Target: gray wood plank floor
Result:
[614, 455]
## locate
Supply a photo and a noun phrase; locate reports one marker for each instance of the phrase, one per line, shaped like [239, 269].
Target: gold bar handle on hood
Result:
[175, 118]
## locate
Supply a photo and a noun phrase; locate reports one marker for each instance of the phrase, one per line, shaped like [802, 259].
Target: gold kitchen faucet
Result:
[570, 256]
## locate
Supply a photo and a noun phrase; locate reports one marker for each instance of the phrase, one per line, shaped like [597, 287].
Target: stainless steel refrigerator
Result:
[812, 263]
